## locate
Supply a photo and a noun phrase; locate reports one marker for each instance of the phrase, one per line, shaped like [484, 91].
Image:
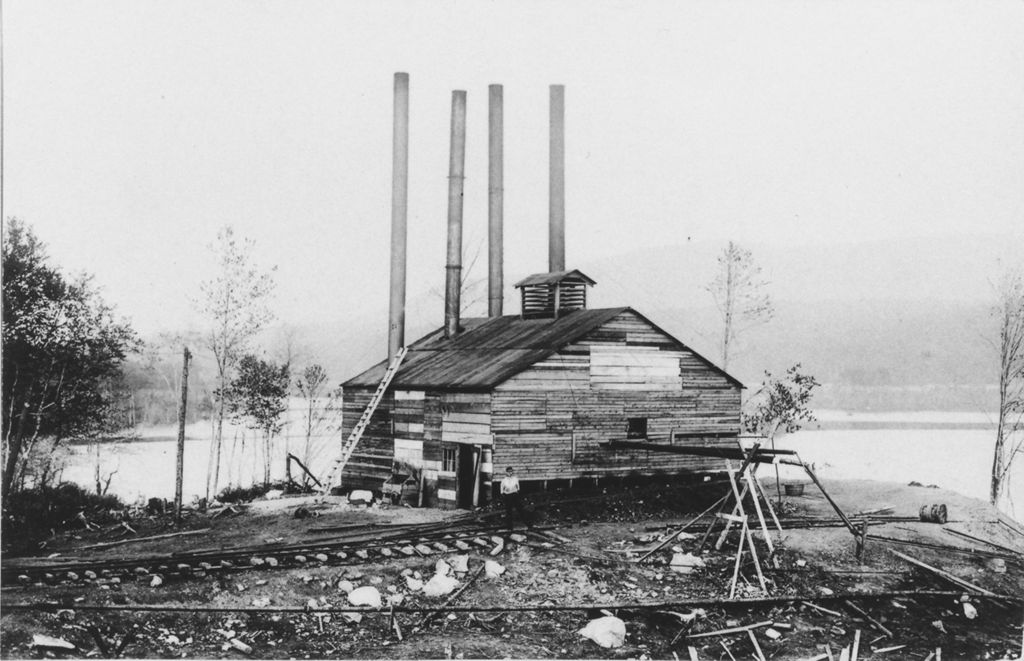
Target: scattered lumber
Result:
[119, 542]
[822, 609]
[960, 533]
[725, 632]
[675, 533]
[944, 574]
[757, 646]
[857, 609]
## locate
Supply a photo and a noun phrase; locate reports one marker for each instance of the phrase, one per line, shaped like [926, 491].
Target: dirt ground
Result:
[611, 529]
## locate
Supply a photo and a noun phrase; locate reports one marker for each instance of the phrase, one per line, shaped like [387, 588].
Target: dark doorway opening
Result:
[468, 477]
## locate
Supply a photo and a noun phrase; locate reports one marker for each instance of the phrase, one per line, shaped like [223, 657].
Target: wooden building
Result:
[543, 392]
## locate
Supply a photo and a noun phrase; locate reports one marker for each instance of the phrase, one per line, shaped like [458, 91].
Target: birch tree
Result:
[320, 415]
[1009, 314]
[236, 303]
[739, 294]
[780, 406]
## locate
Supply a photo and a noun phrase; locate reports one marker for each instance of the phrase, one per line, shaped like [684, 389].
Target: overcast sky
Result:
[133, 130]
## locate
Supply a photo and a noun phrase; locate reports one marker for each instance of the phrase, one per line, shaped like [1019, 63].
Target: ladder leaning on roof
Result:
[349, 446]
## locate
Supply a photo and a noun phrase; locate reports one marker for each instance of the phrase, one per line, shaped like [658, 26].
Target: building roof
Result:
[490, 350]
[553, 277]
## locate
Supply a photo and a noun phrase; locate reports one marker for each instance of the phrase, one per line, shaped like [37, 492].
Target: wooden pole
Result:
[182, 407]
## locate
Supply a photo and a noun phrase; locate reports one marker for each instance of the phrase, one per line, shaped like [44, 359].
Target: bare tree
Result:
[321, 413]
[739, 294]
[471, 290]
[235, 301]
[1009, 312]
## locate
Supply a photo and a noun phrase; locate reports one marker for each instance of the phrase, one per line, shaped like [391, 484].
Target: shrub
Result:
[31, 514]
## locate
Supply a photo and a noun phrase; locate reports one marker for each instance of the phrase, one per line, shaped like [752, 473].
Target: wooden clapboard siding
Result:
[549, 422]
[372, 460]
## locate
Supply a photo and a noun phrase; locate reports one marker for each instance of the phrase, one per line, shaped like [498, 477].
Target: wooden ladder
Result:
[349, 446]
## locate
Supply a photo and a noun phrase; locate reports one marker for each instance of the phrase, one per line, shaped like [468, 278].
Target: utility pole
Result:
[186, 356]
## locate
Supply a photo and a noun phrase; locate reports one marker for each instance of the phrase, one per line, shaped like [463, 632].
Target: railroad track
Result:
[405, 541]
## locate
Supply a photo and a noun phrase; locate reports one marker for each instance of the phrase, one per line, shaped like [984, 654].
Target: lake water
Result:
[958, 459]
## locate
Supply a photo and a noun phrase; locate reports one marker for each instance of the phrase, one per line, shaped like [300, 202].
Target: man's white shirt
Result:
[510, 484]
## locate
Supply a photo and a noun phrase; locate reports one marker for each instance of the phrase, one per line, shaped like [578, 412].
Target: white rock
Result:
[354, 618]
[442, 568]
[414, 584]
[683, 536]
[605, 631]
[360, 496]
[684, 563]
[970, 612]
[460, 563]
[41, 640]
[493, 569]
[439, 586]
[156, 582]
[346, 586]
[273, 494]
[365, 596]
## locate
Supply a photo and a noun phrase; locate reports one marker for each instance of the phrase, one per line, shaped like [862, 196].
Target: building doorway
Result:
[467, 479]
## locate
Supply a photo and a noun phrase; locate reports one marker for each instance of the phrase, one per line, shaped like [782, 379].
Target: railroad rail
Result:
[401, 541]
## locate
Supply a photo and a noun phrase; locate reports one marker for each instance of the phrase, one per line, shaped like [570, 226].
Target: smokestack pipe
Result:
[456, 168]
[399, 214]
[556, 172]
[495, 201]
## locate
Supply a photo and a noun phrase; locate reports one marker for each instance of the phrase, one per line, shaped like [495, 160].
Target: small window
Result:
[636, 427]
[448, 460]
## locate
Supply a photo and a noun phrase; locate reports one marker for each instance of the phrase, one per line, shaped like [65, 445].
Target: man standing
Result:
[512, 498]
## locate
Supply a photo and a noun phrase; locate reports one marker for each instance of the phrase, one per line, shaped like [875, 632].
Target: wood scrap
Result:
[944, 574]
[856, 646]
[725, 632]
[883, 650]
[757, 646]
[727, 650]
[822, 609]
[857, 609]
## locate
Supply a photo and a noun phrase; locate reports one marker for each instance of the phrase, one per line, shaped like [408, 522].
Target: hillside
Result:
[897, 325]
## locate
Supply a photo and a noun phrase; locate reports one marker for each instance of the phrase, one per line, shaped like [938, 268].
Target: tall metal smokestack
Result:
[556, 171]
[456, 167]
[399, 214]
[495, 202]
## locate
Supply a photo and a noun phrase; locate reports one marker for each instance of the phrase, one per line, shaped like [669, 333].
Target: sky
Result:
[134, 130]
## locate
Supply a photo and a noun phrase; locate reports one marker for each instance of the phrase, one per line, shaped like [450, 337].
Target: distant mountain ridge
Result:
[897, 316]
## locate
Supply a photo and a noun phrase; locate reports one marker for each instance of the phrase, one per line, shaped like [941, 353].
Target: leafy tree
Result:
[62, 353]
[1009, 313]
[235, 301]
[258, 397]
[780, 406]
[739, 294]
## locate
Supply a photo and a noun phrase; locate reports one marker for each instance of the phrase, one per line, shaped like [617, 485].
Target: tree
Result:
[63, 350]
[1009, 313]
[258, 397]
[780, 406]
[739, 294]
[321, 406]
[235, 301]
